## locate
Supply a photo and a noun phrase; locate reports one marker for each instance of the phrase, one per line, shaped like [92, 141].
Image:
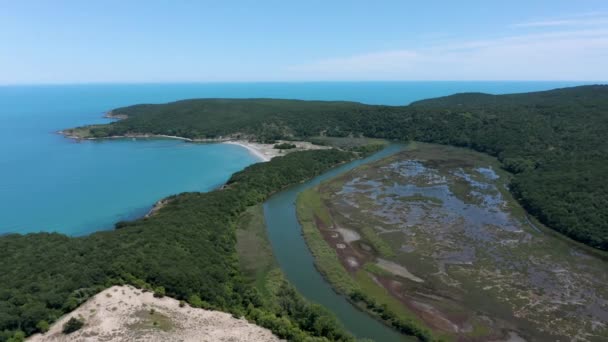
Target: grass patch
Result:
[253, 247]
[279, 307]
[151, 319]
[312, 205]
[369, 234]
[480, 330]
[346, 142]
[377, 270]
[361, 290]
[382, 296]
[308, 206]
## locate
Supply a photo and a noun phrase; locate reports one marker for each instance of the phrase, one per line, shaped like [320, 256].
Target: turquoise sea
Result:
[50, 183]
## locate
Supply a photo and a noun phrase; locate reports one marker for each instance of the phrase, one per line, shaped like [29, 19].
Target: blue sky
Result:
[208, 41]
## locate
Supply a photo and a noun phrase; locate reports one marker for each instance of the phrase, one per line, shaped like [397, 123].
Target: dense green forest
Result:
[266, 119]
[187, 247]
[554, 141]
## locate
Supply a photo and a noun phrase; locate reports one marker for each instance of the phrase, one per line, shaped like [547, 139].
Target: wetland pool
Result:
[462, 255]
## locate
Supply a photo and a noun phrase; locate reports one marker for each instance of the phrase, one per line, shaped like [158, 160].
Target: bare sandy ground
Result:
[124, 313]
[265, 152]
[397, 269]
[348, 235]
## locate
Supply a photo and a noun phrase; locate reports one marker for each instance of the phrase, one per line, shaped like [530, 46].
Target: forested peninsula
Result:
[553, 141]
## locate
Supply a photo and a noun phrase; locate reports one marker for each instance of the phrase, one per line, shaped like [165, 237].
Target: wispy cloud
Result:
[564, 22]
[579, 20]
[557, 55]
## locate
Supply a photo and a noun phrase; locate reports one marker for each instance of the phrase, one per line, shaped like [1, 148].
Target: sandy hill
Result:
[124, 313]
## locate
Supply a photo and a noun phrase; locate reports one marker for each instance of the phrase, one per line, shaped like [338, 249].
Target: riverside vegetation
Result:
[313, 216]
[259, 268]
[553, 142]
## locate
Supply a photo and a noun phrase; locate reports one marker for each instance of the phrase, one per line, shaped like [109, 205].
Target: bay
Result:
[50, 183]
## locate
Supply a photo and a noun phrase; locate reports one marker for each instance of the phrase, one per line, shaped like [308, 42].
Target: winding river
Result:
[297, 262]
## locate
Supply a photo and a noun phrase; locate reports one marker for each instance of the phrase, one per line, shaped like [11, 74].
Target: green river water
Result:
[297, 262]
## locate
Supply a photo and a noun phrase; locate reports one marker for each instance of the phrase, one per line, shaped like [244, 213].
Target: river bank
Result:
[338, 264]
[296, 261]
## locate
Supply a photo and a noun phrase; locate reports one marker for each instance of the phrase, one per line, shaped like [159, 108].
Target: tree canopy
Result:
[186, 251]
[554, 141]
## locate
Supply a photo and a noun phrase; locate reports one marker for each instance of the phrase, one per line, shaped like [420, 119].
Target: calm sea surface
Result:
[49, 183]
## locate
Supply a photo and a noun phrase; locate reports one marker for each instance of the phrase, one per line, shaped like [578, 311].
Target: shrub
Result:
[43, 326]
[195, 301]
[284, 146]
[159, 292]
[72, 325]
[18, 336]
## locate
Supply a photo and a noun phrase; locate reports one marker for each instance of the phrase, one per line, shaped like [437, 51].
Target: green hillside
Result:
[553, 140]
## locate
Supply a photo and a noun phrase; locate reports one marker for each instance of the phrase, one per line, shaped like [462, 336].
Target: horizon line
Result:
[25, 84]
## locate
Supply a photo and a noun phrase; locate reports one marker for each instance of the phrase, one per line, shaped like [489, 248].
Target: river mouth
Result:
[436, 228]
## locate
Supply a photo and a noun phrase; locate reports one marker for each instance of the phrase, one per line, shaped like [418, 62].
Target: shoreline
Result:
[262, 154]
[111, 115]
[67, 134]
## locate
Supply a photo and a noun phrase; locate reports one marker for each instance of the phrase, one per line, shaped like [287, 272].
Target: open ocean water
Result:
[50, 183]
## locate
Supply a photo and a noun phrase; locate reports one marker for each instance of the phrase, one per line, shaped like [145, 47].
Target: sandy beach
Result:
[265, 152]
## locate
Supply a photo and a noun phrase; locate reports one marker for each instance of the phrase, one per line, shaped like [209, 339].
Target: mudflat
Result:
[439, 232]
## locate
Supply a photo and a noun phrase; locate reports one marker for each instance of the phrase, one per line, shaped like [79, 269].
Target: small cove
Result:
[88, 186]
[49, 183]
